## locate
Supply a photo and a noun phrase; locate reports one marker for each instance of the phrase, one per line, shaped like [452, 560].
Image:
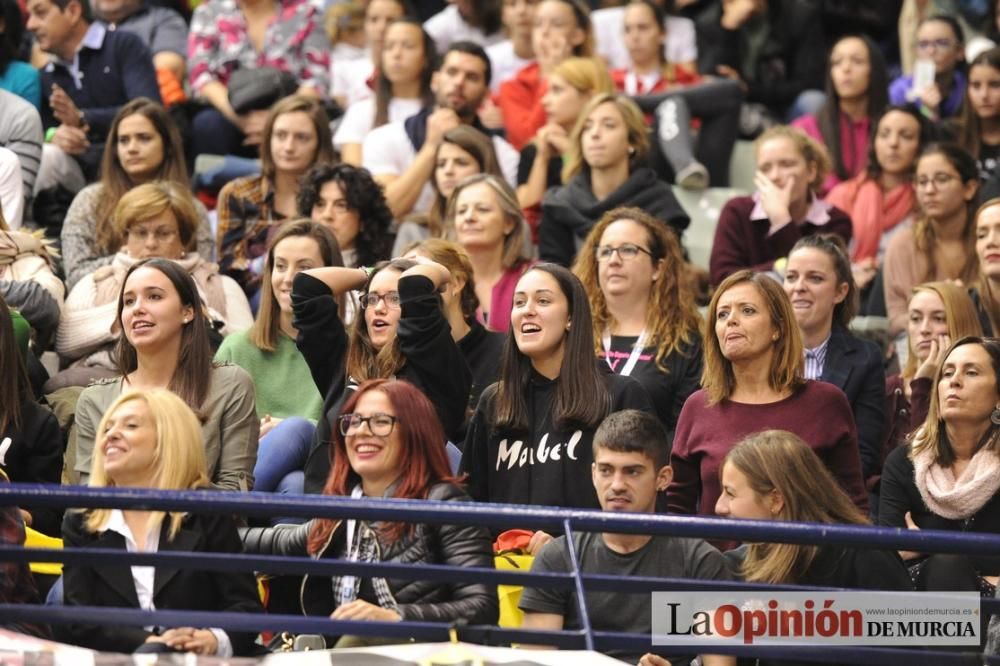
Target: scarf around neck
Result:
[957, 499]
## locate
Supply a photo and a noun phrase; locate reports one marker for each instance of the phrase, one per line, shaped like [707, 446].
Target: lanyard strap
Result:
[347, 582]
[633, 358]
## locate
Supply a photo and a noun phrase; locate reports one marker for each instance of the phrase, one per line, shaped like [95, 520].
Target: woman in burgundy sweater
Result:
[758, 231]
[753, 381]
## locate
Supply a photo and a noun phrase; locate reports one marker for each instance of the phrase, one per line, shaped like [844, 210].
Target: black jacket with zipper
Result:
[427, 601]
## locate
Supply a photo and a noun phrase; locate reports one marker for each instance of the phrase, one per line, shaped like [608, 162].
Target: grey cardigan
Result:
[229, 425]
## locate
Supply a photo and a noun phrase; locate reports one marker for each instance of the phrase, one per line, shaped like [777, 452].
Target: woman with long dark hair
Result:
[857, 86]
[881, 199]
[143, 145]
[530, 438]
[978, 123]
[164, 343]
[402, 87]
[941, 245]
[29, 433]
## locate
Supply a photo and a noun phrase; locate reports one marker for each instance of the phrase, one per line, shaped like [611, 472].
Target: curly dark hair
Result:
[364, 196]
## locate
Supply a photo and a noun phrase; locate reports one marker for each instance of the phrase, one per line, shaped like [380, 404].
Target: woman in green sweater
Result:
[288, 402]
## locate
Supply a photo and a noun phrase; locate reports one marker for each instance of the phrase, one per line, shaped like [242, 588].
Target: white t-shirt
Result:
[505, 63]
[448, 26]
[349, 79]
[360, 117]
[609, 32]
[387, 151]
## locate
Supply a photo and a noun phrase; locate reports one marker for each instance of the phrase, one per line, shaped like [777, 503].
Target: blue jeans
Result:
[281, 457]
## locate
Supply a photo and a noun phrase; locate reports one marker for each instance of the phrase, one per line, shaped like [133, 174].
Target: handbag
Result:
[258, 89]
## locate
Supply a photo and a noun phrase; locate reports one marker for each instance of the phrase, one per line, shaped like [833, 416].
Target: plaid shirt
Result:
[295, 42]
[246, 219]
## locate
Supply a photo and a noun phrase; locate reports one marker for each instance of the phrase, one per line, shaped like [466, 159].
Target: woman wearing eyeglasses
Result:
[941, 245]
[156, 219]
[404, 334]
[386, 443]
[939, 39]
[645, 321]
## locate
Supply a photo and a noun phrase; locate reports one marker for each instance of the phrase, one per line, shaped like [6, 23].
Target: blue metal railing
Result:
[566, 521]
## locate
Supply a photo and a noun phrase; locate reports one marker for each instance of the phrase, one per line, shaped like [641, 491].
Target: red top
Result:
[705, 435]
[520, 100]
[672, 75]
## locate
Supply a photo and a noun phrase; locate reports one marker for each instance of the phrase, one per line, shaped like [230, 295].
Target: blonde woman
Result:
[483, 216]
[602, 171]
[645, 320]
[774, 475]
[157, 219]
[571, 84]
[759, 231]
[152, 439]
[937, 314]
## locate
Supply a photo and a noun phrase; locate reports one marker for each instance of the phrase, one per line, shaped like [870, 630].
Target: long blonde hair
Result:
[960, 315]
[778, 461]
[672, 315]
[179, 459]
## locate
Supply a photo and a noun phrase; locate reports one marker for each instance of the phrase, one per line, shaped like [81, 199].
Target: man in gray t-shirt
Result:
[631, 456]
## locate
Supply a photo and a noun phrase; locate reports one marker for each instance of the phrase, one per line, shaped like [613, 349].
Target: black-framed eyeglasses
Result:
[626, 251]
[379, 424]
[371, 299]
[937, 44]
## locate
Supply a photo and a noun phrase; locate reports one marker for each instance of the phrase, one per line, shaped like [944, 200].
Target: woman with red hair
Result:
[388, 442]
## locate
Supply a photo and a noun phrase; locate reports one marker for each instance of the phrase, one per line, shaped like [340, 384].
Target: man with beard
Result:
[631, 466]
[401, 156]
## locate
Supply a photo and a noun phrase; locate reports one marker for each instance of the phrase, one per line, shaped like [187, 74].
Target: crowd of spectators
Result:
[367, 249]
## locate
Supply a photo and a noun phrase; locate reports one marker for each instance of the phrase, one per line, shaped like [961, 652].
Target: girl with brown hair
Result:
[774, 475]
[143, 145]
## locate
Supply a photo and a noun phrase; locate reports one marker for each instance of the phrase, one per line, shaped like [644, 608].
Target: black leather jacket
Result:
[457, 545]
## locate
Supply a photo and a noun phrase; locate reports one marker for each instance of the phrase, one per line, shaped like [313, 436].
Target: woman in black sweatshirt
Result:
[530, 438]
[401, 332]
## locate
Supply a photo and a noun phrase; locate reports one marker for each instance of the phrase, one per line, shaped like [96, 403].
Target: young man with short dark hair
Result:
[401, 155]
[631, 465]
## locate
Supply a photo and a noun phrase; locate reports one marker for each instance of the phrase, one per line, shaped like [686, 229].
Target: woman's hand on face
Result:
[775, 200]
[928, 369]
[362, 610]
[910, 525]
[557, 138]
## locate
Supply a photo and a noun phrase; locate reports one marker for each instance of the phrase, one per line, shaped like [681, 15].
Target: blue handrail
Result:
[548, 518]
